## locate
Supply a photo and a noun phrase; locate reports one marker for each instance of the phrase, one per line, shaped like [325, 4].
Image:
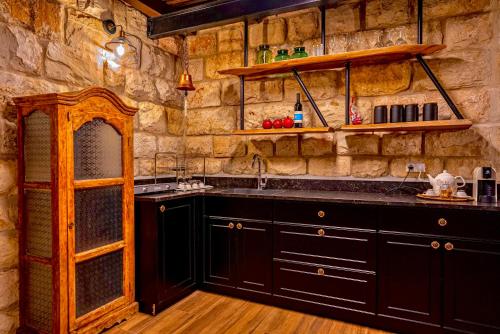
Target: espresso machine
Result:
[484, 188]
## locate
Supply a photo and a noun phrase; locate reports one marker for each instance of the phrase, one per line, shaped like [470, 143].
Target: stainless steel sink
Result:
[252, 191]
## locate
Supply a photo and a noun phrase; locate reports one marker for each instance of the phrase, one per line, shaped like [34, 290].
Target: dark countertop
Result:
[323, 196]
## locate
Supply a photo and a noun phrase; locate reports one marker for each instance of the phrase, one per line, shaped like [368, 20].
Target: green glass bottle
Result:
[282, 55]
[264, 55]
[299, 52]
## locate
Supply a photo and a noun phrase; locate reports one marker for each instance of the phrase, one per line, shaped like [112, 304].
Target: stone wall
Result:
[469, 68]
[53, 46]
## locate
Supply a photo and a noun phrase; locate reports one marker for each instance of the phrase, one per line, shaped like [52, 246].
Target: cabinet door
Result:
[254, 252]
[472, 286]
[176, 249]
[409, 278]
[219, 251]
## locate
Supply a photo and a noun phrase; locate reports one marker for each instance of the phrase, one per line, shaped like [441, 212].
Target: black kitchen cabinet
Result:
[219, 252]
[165, 252]
[409, 269]
[472, 286]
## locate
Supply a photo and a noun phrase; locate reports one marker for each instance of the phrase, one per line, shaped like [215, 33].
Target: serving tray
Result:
[446, 199]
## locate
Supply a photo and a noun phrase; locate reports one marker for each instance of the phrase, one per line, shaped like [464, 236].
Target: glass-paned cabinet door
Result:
[98, 151]
[37, 147]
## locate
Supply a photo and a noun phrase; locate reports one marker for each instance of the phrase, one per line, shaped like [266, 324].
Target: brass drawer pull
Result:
[230, 226]
[239, 226]
[442, 222]
[448, 246]
[321, 271]
[435, 245]
[321, 232]
[321, 213]
[162, 208]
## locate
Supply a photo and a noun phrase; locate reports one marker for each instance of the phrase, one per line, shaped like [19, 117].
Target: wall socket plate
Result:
[415, 167]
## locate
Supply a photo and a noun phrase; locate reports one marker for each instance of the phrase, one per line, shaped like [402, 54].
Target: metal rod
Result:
[242, 102]
[420, 22]
[323, 28]
[309, 97]
[245, 44]
[347, 91]
[440, 88]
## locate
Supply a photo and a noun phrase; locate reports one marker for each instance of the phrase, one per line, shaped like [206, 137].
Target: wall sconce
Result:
[121, 45]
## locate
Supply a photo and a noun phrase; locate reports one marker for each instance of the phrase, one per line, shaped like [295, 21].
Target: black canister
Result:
[396, 113]
[411, 113]
[380, 114]
[430, 111]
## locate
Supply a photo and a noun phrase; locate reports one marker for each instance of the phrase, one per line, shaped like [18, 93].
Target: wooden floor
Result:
[204, 312]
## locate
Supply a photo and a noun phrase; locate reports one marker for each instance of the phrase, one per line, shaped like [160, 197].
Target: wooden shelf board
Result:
[356, 58]
[454, 124]
[282, 131]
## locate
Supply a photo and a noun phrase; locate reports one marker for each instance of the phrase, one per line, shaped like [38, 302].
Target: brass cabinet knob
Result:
[448, 246]
[239, 226]
[321, 271]
[435, 245]
[230, 226]
[442, 222]
[321, 213]
[321, 232]
[162, 208]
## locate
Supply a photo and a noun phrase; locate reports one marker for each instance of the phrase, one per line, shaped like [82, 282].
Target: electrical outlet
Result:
[415, 167]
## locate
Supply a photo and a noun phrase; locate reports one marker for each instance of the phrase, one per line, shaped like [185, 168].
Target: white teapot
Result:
[446, 179]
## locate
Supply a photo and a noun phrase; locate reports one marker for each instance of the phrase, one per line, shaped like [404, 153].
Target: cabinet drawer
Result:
[248, 208]
[446, 222]
[326, 214]
[325, 245]
[323, 285]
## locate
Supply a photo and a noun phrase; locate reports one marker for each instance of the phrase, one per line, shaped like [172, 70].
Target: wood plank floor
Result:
[209, 313]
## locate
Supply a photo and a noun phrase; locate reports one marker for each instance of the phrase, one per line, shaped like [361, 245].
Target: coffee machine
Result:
[484, 188]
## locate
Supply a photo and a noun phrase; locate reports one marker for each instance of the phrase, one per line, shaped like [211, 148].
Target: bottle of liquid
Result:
[298, 115]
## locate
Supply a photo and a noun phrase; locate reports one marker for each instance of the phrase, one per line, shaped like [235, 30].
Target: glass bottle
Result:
[264, 55]
[299, 52]
[282, 55]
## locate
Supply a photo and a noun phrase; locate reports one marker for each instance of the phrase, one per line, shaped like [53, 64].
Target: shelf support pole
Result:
[323, 28]
[309, 97]
[420, 21]
[440, 88]
[347, 91]
[242, 78]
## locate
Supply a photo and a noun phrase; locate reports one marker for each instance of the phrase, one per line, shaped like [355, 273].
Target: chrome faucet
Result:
[261, 183]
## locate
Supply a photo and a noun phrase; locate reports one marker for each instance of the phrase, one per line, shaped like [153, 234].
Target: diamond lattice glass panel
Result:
[37, 147]
[38, 223]
[98, 217]
[98, 282]
[98, 151]
[39, 297]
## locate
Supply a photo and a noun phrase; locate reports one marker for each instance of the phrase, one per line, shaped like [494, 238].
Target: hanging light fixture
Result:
[121, 45]
[185, 81]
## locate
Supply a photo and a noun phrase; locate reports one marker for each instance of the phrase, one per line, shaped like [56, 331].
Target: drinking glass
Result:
[380, 40]
[401, 40]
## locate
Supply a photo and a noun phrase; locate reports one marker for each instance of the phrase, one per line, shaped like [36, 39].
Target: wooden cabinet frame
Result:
[67, 113]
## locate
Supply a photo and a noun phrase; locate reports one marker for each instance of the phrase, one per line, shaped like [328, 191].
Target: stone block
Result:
[330, 166]
[212, 166]
[169, 144]
[48, 20]
[199, 145]
[369, 167]
[8, 137]
[202, 45]
[196, 69]
[8, 323]
[202, 121]
[229, 146]
[156, 62]
[469, 32]
[20, 49]
[256, 113]
[144, 145]
[230, 39]
[444, 8]
[402, 144]
[146, 167]
[303, 27]
[239, 166]
[269, 31]
[374, 80]
[385, 13]
[207, 94]
[342, 19]
[140, 86]
[433, 166]
[172, 45]
[8, 251]
[464, 166]
[137, 24]
[465, 143]
[9, 287]
[7, 176]
[316, 145]
[263, 147]
[286, 166]
[222, 61]
[321, 85]
[357, 144]
[167, 93]
[152, 118]
[287, 146]
[255, 91]
[334, 111]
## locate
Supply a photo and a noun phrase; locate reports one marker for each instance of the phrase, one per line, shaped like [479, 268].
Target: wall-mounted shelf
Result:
[328, 62]
[283, 131]
[453, 124]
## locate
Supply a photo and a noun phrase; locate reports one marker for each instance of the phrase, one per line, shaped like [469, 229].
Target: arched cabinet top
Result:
[74, 98]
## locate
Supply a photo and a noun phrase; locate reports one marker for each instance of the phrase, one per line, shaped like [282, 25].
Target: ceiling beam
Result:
[219, 12]
[150, 8]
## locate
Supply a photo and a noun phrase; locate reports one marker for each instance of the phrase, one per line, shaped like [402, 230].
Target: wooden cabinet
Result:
[220, 252]
[166, 251]
[76, 231]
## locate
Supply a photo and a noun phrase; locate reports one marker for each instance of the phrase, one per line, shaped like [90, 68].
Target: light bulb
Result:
[120, 50]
